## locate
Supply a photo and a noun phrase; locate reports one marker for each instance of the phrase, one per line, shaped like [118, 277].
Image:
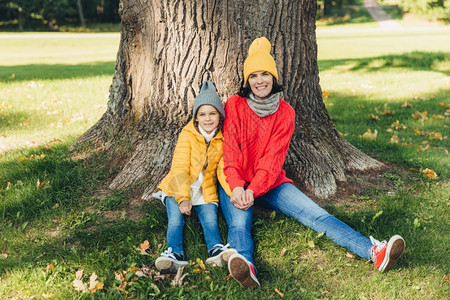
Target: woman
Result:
[257, 132]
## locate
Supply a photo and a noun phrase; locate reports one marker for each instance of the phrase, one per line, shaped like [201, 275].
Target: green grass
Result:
[57, 215]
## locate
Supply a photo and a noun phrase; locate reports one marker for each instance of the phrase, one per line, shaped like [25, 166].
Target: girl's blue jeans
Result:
[289, 200]
[207, 214]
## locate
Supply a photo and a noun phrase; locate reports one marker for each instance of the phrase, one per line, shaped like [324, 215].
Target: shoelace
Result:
[220, 248]
[378, 244]
[168, 253]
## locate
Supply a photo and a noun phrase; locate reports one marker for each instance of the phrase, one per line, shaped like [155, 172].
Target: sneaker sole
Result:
[240, 271]
[168, 266]
[222, 259]
[395, 248]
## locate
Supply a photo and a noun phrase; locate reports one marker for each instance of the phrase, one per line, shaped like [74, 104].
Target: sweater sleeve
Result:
[232, 155]
[178, 179]
[270, 165]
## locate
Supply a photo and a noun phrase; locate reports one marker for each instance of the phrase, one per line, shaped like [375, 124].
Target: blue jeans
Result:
[207, 214]
[289, 200]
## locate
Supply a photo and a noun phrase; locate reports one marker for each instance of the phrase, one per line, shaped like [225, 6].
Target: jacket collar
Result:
[191, 128]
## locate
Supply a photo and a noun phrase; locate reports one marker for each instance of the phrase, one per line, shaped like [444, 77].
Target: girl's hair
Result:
[246, 90]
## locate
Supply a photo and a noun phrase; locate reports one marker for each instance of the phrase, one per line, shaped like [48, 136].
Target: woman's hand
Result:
[185, 207]
[248, 198]
[237, 197]
[242, 199]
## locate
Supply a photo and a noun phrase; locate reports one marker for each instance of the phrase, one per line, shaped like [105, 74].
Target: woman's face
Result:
[261, 83]
[208, 118]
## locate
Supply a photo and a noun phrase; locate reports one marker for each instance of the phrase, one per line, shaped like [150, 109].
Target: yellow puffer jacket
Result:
[188, 160]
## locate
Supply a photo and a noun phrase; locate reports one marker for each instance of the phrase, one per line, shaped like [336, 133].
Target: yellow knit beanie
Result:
[259, 59]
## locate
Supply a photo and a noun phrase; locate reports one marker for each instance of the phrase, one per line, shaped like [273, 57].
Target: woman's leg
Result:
[207, 214]
[175, 225]
[290, 201]
[239, 226]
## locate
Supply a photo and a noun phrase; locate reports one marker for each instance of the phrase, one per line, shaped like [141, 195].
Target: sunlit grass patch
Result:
[37, 112]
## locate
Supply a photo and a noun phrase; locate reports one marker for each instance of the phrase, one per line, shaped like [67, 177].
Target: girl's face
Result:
[207, 117]
[261, 83]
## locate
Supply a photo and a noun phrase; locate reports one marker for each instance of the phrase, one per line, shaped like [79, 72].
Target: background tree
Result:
[168, 48]
[80, 13]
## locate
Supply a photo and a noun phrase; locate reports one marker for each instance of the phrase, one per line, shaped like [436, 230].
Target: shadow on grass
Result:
[13, 120]
[22, 198]
[417, 60]
[10, 74]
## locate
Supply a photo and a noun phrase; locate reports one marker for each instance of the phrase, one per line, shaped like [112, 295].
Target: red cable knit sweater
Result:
[255, 148]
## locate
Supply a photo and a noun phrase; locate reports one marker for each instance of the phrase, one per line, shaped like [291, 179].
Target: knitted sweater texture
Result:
[255, 148]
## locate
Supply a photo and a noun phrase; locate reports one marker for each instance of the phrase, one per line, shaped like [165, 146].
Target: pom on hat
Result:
[259, 59]
[208, 96]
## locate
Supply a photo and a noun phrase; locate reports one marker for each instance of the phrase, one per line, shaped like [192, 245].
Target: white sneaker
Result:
[169, 262]
[220, 255]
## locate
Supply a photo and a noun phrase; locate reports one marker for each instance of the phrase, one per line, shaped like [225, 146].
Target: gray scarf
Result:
[264, 107]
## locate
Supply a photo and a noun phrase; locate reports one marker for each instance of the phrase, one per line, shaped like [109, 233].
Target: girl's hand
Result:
[185, 207]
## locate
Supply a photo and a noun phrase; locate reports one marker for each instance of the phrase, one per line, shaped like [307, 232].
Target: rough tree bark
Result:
[168, 48]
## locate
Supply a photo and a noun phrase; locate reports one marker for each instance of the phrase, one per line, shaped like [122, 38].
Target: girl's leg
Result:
[207, 214]
[290, 201]
[175, 226]
[239, 226]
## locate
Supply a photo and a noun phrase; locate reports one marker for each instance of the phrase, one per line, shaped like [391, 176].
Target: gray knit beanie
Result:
[208, 95]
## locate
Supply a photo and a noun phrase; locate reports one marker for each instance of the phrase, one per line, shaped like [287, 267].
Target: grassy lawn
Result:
[57, 217]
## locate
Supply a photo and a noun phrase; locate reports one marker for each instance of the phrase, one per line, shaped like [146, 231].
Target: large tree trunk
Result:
[168, 48]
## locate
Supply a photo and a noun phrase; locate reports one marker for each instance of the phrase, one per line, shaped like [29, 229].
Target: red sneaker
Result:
[243, 271]
[385, 254]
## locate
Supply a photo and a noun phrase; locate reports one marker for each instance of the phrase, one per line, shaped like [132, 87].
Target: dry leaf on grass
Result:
[143, 247]
[394, 139]
[405, 104]
[178, 280]
[325, 94]
[50, 267]
[369, 135]
[375, 117]
[438, 117]
[429, 173]
[77, 283]
[47, 295]
[349, 255]
[3, 256]
[94, 284]
[420, 115]
[146, 271]
[80, 286]
[279, 293]
[397, 125]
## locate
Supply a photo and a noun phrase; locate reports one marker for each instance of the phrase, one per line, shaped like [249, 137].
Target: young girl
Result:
[192, 182]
